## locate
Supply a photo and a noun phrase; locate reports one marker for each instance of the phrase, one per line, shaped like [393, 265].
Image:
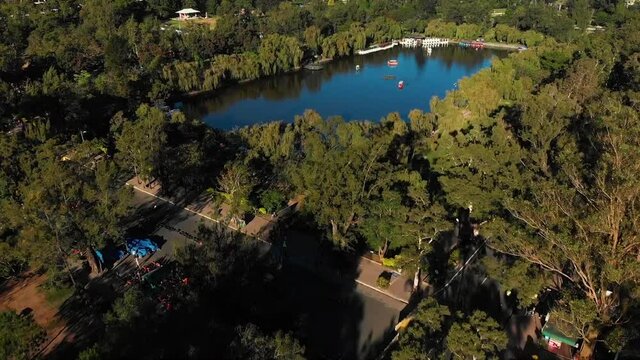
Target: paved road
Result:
[379, 319]
[360, 319]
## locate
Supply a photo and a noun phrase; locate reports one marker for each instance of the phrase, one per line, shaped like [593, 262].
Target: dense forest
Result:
[536, 157]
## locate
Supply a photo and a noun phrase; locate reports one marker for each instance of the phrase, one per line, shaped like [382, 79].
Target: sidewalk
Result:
[258, 227]
[303, 251]
[399, 288]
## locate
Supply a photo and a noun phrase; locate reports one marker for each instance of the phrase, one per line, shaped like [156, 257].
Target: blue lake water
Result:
[338, 89]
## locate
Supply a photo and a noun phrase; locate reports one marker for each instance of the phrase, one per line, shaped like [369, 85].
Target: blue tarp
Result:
[99, 256]
[141, 247]
[109, 255]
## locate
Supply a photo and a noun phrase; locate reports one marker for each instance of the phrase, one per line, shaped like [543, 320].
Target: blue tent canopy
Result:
[141, 247]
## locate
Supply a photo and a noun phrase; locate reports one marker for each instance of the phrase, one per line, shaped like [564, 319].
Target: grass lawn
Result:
[179, 24]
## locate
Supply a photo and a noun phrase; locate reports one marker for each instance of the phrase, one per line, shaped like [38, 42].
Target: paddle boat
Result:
[392, 62]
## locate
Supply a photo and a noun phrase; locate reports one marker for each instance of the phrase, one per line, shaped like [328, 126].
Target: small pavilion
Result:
[188, 13]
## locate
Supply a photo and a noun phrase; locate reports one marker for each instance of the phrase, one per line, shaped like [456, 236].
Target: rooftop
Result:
[188, 11]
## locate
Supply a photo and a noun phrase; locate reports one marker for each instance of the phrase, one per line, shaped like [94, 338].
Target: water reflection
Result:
[339, 89]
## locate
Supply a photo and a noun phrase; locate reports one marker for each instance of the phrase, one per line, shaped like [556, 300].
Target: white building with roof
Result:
[187, 13]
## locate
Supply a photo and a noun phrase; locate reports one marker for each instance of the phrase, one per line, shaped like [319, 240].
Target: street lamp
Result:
[82, 132]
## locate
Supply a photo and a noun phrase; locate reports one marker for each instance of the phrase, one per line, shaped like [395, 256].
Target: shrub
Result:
[384, 280]
[272, 200]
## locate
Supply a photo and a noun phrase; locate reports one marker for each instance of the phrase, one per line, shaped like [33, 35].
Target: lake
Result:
[338, 89]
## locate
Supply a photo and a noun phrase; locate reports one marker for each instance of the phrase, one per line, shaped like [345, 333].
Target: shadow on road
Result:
[276, 287]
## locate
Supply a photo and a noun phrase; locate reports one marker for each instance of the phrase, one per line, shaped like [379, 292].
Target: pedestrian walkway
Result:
[258, 227]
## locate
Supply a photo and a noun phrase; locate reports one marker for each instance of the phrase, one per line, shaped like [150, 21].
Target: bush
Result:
[92, 353]
[384, 280]
[390, 263]
[272, 200]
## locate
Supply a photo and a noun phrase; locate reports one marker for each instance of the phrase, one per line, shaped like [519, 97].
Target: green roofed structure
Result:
[561, 337]
[549, 331]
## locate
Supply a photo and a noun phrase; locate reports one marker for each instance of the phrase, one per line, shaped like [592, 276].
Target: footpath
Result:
[298, 247]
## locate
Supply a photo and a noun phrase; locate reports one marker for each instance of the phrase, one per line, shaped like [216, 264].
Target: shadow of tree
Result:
[315, 298]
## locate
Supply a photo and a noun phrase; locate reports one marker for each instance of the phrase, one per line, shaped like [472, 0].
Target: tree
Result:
[476, 337]
[384, 226]
[250, 343]
[287, 19]
[92, 353]
[339, 169]
[581, 13]
[313, 37]
[279, 54]
[164, 8]
[220, 268]
[520, 277]
[422, 337]
[235, 185]
[139, 142]
[130, 316]
[20, 336]
[580, 222]
[272, 200]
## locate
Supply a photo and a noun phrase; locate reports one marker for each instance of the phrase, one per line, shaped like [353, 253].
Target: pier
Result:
[376, 48]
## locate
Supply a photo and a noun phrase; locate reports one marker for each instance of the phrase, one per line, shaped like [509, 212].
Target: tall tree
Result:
[476, 337]
[235, 185]
[581, 224]
[422, 339]
[139, 142]
[339, 170]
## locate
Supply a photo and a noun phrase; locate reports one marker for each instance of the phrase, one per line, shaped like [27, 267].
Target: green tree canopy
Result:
[140, 142]
[20, 336]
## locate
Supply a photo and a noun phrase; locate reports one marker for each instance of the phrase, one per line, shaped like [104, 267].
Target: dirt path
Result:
[26, 293]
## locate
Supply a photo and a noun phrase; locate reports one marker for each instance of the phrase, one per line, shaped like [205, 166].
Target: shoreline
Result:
[494, 45]
[194, 94]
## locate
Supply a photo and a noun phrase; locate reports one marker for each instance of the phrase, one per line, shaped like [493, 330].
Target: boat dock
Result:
[377, 48]
[471, 44]
[491, 45]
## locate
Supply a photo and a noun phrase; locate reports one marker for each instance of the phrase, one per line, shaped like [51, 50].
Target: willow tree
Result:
[184, 76]
[279, 53]
[313, 37]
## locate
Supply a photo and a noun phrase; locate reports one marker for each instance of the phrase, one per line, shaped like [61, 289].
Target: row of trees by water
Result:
[59, 57]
